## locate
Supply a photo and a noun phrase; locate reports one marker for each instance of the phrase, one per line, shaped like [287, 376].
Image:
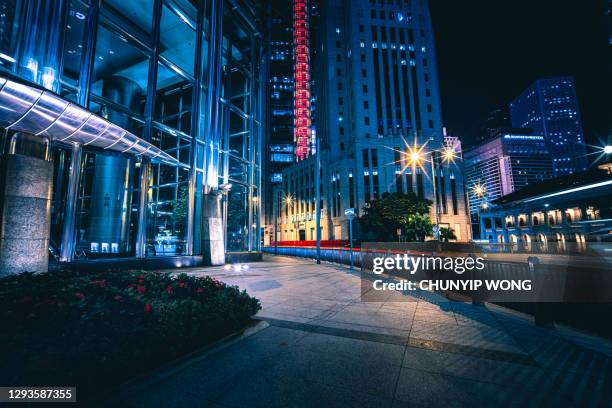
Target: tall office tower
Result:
[549, 107]
[377, 95]
[505, 164]
[279, 140]
[301, 101]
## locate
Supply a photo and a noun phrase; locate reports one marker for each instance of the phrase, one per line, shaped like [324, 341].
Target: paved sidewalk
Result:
[326, 348]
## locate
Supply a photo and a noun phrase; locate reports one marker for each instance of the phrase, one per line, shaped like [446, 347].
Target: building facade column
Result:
[68, 244]
[26, 182]
[213, 238]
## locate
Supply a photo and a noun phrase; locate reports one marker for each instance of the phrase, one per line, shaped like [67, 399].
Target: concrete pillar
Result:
[25, 213]
[213, 241]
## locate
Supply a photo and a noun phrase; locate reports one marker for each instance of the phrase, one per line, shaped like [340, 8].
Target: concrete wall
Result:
[25, 211]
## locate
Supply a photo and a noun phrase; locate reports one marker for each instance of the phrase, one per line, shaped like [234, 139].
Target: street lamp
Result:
[479, 191]
[284, 202]
[416, 156]
[606, 151]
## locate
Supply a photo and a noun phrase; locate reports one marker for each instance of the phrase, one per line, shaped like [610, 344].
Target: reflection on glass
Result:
[73, 48]
[167, 220]
[120, 71]
[62, 161]
[237, 219]
[138, 13]
[173, 100]
[177, 37]
[9, 21]
[106, 212]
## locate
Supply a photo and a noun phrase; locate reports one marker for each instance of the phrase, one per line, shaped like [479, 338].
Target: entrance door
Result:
[302, 235]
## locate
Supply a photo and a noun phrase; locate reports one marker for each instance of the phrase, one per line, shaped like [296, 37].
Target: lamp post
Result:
[479, 190]
[283, 202]
[350, 213]
[415, 158]
[276, 211]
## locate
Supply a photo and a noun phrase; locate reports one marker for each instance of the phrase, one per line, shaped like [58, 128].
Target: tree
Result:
[446, 234]
[418, 226]
[382, 217]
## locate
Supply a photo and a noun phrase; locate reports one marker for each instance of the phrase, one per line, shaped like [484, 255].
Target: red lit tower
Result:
[301, 132]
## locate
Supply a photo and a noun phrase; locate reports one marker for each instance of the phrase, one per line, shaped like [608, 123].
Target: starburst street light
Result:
[606, 151]
[448, 154]
[415, 155]
[288, 199]
[479, 190]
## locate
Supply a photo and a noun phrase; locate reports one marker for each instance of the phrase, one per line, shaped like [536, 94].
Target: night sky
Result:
[490, 50]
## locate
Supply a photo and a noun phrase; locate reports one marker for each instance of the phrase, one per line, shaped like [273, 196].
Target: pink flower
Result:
[199, 290]
[148, 308]
[140, 289]
[169, 289]
[80, 295]
[182, 284]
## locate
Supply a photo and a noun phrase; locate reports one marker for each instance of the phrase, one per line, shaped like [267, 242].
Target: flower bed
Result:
[97, 330]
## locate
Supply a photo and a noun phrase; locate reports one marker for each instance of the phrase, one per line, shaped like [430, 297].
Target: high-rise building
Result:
[503, 165]
[497, 120]
[279, 146]
[377, 97]
[130, 129]
[609, 18]
[549, 107]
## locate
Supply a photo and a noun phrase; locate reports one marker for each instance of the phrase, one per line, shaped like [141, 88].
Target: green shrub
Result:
[97, 330]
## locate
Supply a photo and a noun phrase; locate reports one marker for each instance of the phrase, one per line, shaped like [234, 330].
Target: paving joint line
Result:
[408, 341]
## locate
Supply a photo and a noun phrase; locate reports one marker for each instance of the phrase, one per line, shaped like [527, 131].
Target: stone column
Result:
[213, 241]
[25, 213]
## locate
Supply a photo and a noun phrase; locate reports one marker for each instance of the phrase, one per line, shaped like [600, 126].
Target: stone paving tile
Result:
[331, 349]
[351, 348]
[363, 328]
[476, 368]
[432, 389]
[385, 320]
[272, 391]
[489, 338]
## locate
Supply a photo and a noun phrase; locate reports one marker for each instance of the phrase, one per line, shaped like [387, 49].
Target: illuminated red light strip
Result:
[302, 122]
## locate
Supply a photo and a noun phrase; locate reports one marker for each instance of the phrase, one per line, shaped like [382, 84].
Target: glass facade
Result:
[184, 76]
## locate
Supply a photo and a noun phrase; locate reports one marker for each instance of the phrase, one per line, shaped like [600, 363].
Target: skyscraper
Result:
[377, 95]
[549, 107]
[503, 165]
